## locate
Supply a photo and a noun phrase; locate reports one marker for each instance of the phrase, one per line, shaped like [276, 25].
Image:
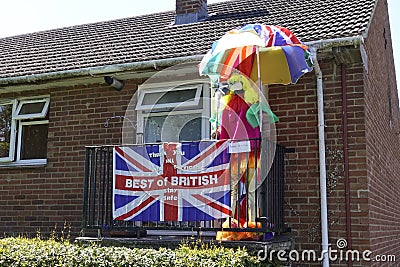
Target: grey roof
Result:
[153, 36]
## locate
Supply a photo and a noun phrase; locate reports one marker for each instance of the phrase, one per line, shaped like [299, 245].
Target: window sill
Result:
[24, 164]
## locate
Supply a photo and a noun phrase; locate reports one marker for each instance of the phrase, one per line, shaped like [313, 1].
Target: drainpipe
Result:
[322, 160]
[314, 46]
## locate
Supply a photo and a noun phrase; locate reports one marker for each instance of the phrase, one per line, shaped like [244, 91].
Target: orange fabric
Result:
[236, 236]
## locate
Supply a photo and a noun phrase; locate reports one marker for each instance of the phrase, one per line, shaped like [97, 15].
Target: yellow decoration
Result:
[250, 95]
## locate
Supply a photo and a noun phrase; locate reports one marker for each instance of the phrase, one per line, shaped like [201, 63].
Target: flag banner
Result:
[187, 181]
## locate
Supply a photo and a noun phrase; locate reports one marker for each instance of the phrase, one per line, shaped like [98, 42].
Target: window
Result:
[184, 96]
[30, 109]
[6, 130]
[175, 114]
[23, 131]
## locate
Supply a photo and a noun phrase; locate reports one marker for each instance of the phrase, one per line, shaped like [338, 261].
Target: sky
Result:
[26, 16]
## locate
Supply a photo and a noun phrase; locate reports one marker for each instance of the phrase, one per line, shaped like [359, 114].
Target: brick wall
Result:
[298, 128]
[296, 108]
[43, 198]
[374, 154]
[48, 196]
[382, 139]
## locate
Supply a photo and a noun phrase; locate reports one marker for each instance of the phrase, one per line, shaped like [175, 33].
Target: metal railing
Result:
[267, 201]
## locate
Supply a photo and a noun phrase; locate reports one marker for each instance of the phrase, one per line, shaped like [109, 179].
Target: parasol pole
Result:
[259, 87]
[258, 169]
[217, 96]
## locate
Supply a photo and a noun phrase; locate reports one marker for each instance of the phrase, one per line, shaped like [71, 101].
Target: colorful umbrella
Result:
[283, 58]
[266, 54]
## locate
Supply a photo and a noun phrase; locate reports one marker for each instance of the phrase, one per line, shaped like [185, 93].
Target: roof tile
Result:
[153, 36]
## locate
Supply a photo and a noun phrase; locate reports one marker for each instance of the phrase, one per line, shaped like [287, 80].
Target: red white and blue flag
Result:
[172, 182]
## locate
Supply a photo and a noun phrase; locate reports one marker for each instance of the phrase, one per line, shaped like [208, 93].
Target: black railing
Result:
[268, 199]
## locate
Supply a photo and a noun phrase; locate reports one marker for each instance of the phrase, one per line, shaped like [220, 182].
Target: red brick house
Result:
[54, 101]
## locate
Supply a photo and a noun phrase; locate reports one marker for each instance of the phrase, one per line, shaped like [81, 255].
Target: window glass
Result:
[173, 128]
[180, 114]
[182, 96]
[5, 129]
[169, 97]
[23, 131]
[191, 131]
[31, 108]
[34, 141]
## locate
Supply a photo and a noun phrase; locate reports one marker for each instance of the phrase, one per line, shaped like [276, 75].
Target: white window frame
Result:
[194, 102]
[11, 152]
[38, 115]
[18, 121]
[146, 111]
[28, 161]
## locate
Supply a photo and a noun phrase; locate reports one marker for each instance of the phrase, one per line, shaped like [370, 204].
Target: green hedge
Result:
[38, 252]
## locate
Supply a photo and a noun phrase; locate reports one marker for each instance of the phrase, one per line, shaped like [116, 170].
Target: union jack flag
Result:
[172, 181]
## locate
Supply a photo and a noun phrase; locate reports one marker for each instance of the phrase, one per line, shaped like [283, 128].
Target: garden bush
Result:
[34, 252]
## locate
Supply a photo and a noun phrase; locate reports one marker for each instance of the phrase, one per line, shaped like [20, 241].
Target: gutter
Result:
[150, 64]
[100, 70]
[344, 41]
[314, 46]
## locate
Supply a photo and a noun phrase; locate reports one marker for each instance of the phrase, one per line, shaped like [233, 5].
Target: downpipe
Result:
[314, 46]
[322, 160]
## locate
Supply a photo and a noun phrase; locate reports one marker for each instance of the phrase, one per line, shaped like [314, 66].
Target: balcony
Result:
[266, 202]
